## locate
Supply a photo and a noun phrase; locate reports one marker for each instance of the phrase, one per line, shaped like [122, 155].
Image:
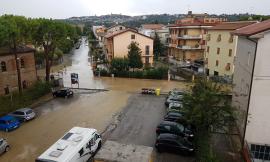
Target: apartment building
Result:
[251, 91]
[187, 36]
[116, 45]
[151, 29]
[8, 71]
[221, 49]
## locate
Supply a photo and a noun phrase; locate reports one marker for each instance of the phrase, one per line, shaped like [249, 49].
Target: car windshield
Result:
[29, 112]
[180, 127]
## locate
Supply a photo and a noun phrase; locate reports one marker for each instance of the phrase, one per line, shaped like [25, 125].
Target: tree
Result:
[134, 56]
[49, 34]
[119, 64]
[158, 47]
[14, 32]
[207, 106]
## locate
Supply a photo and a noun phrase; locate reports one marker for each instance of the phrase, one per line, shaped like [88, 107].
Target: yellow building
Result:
[116, 45]
[186, 36]
[221, 49]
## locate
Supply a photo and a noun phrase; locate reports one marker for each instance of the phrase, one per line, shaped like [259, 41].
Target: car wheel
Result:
[159, 150]
[7, 149]
[99, 145]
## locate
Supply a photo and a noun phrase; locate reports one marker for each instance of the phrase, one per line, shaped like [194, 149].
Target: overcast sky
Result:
[69, 8]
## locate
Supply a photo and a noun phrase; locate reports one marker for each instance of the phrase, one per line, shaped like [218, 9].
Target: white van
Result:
[77, 145]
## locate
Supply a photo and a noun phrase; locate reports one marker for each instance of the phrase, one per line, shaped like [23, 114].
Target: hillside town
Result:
[193, 89]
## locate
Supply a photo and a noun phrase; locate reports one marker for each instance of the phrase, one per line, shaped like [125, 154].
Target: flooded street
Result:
[94, 110]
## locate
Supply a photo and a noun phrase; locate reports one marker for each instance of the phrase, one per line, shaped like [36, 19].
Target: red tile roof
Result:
[152, 26]
[253, 29]
[232, 25]
[123, 31]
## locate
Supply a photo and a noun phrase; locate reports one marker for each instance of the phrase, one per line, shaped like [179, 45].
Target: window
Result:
[260, 151]
[22, 63]
[230, 52]
[133, 36]
[120, 28]
[147, 48]
[217, 62]
[6, 89]
[146, 60]
[219, 38]
[218, 51]
[228, 67]
[208, 48]
[81, 152]
[3, 66]
[167, 127]
[208, 38]
[231, 39]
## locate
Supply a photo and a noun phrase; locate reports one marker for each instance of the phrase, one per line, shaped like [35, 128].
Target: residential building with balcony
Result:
[187, 36]
[115, 28]
[8, 70]
[221, 48]
[251, 91]
[116, 45]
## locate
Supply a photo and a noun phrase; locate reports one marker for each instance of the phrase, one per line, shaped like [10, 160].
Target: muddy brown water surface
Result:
[95, 110]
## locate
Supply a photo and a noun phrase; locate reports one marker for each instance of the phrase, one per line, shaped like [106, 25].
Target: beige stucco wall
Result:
[122, 41]
[223, 57]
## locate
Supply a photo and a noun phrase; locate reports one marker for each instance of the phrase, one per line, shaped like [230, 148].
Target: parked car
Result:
[8, 123]
[173, 128]
[24, 114]
[173, 143]
[65, 92]
[175, 117]
[173, 99]
[4, 146]
[176, 92]
[175, 107]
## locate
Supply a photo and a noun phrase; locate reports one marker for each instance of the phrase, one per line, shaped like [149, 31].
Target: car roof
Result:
[24, 109]
[167, 123]
[167, 136]
[174, 114]
[7, 117]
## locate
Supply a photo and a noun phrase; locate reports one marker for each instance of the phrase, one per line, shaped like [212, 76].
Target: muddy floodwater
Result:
[85, 109]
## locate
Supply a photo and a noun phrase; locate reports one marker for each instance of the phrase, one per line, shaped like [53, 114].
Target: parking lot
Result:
[138, 124]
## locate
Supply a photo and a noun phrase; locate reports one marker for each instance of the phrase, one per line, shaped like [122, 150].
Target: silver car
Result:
[4, 147]
[24, 114]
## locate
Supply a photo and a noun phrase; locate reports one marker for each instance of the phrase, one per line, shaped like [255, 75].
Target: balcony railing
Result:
[185, 47]
[189, 37]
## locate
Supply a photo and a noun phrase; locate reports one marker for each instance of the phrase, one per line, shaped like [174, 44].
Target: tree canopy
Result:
[134, 56]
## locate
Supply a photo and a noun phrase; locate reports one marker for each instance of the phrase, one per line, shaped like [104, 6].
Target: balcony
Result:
[190, 37]
[185, 47]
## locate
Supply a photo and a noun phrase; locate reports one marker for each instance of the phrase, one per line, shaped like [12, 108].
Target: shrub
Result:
[28, 97]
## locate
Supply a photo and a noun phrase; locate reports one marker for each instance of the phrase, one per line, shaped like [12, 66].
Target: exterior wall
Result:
[258, 128]
[186, 46]
[9, 78]
[242, 79]
[223, 57]
[163, 35]
[122, 41]
[116, 28]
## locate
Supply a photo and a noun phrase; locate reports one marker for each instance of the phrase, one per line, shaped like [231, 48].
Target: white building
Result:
[161, 30]
[251, 93]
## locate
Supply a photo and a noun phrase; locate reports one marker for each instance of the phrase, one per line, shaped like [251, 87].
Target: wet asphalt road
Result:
[138, 123]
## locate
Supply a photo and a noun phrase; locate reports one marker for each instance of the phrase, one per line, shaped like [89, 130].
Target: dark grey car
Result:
[24, 114]
[4, 147]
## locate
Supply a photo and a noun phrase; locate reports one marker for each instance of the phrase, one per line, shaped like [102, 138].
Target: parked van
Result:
[77, 145]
